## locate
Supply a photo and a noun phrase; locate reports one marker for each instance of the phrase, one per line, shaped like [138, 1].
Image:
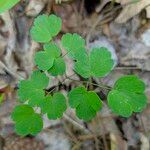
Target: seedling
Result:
[124, 98]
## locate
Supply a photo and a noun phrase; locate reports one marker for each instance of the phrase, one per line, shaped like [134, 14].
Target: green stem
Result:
[60, 84]
[101, 86]
[86, 82]
[64, 55]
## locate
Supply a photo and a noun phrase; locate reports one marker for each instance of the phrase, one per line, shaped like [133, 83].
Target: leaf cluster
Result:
[126, 97]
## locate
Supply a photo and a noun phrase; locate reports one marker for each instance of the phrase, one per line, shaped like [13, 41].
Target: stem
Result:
[56, 87]
[64, 55]
[86, 82]
[76, 124]
[127, 68]
[60, 84]
[101, 86]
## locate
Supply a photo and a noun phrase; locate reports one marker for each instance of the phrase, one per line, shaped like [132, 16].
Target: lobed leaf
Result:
[26, 120]
[127, 96]
[59, 67]
[82, 66]
[98, 64]
[50, 60]
[86, 103]
[74, 44]
[45, 28]
[54, 106]
[45, 59]
[100, 61]
[32, 90]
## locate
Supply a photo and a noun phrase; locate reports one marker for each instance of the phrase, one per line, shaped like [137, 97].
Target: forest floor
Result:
[123, 26]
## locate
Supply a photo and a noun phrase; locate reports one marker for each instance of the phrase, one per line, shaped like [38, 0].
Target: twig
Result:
[100, 7]
[86, 137]
[81, 7]
[127, 68]
[70, 133]
[13, 74]
[103, 136]
[76, 124]
[76, 146]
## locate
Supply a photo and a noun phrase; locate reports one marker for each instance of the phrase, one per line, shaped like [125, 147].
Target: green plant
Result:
[127, 95]
[1, 98]
[7, 4]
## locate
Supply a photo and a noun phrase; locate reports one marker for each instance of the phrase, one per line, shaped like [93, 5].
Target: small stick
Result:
[76, 124]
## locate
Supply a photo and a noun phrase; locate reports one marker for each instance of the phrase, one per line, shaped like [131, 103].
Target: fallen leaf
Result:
[148, 11]
[35, 7]
[131, 10]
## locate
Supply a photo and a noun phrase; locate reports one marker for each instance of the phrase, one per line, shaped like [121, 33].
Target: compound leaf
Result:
[98, 64]
[86, 103]
[74, 44]
[45, 28]
[32, 90]
[45, 59]
[54, 106]
[127, 96]
[27, 121]
[7, 4]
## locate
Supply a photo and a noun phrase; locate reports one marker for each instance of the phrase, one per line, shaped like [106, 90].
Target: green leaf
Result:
[32, 90]
[98, 64]
[127, 96]
[58, 68]
[82, 66]
[7, 4]
[1, 98]
[27, 121]
[45, 59]
[45, 28]
[74, 44]
[100, 61]
[86, 103]
[54, 106]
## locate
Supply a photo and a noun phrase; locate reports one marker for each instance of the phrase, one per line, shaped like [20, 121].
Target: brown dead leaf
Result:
[131, 10]
[123, 2]
[35, 7]
[148, 11]
[117, 142]
[61, 1]
[144, 142]
[16, 143]
[68, 15]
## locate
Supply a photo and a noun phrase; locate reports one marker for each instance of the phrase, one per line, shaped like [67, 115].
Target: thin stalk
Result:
[60, 84]
[64, 55]
[101, 86]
